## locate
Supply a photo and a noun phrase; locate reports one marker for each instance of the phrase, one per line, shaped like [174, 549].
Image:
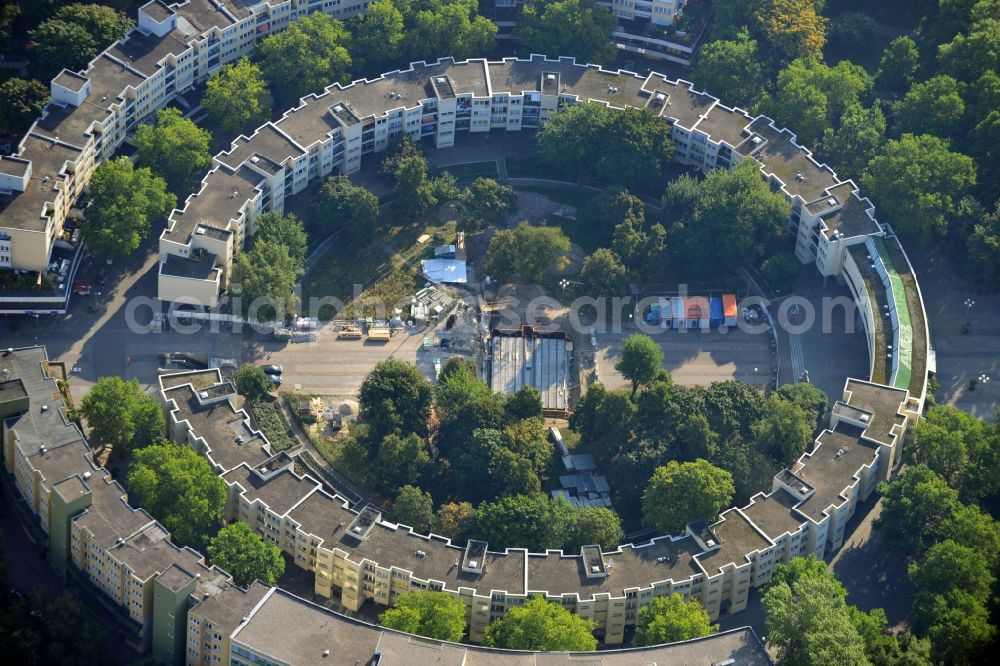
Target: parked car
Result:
[271, 369]
[276, 379]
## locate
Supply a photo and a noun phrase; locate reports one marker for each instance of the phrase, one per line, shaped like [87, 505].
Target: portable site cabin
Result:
[677, 319]
[716, 319]
[729, 309]
[697, 310]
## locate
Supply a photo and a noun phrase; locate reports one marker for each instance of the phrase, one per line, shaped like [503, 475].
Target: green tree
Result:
[943, 441]
[21, 102]
[983, 247]
[454, 520]
[252, 383]
[953, 585]
[785, 431]
[458, 384]
[464, 417]
[898, 66]
[415, 508]
[58, 45]
[967, 56]
[518, 521]
[539, 625]
[104, 24]
[640, 361]
[400, 388]
[432, 614]
[352, 208]
[179, 487]
[969, 526]
[593, 525]
[962, 632]
[524, 403]
[245, 555]
[124, 201]
[175, 148]
[308, 55]
[679, 493]
[610, 208]
[236, 97]
[454, 27]
[671, 619]
[590, 141]
[696, 440]
[859, 137]
[792, 28]
[808, 622]
[603, 274]
[932, 106]
[265, 280]
[917, 183]
[121, 415]
[377, 37]
[780, 272]
[400, 460]
[576, 28]
[528, 251]
[851, 32]
[948, 566]
[811, 399]
[283, 229]
[811, 95]
[913, 505]
[730, 70]
[486, 203]
[733, 218]
[413, 191]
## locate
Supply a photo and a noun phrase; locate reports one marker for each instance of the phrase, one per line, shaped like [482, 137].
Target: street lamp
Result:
[968, 306]
[981, 379]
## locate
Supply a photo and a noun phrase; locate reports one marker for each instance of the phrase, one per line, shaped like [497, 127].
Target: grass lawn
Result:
[589, 238]
[387, 271]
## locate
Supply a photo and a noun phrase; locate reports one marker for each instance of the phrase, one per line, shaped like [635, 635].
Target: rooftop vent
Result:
[710, 543]
[45, 408]
[865, 418]
[338, 108]
[440, 80]
[756, 140]
[233, 194]
[87, 475]
[831, 202]
[254, 159]
[803, 489]
[42, 450]
[326, 653]
[239, 439]
[202, 394]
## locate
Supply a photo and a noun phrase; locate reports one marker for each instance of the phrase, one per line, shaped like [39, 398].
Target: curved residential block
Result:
[167, 597]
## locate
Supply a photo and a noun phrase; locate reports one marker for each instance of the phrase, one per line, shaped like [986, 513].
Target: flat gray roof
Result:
[200, 267]
[280, 492]
[292, 630]
[397, 547]
[829, 473]
[774, 513]
[883, 402]
[736, 538]
[23, 210]
[631, 566]
[791, 163]
[219, 424]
